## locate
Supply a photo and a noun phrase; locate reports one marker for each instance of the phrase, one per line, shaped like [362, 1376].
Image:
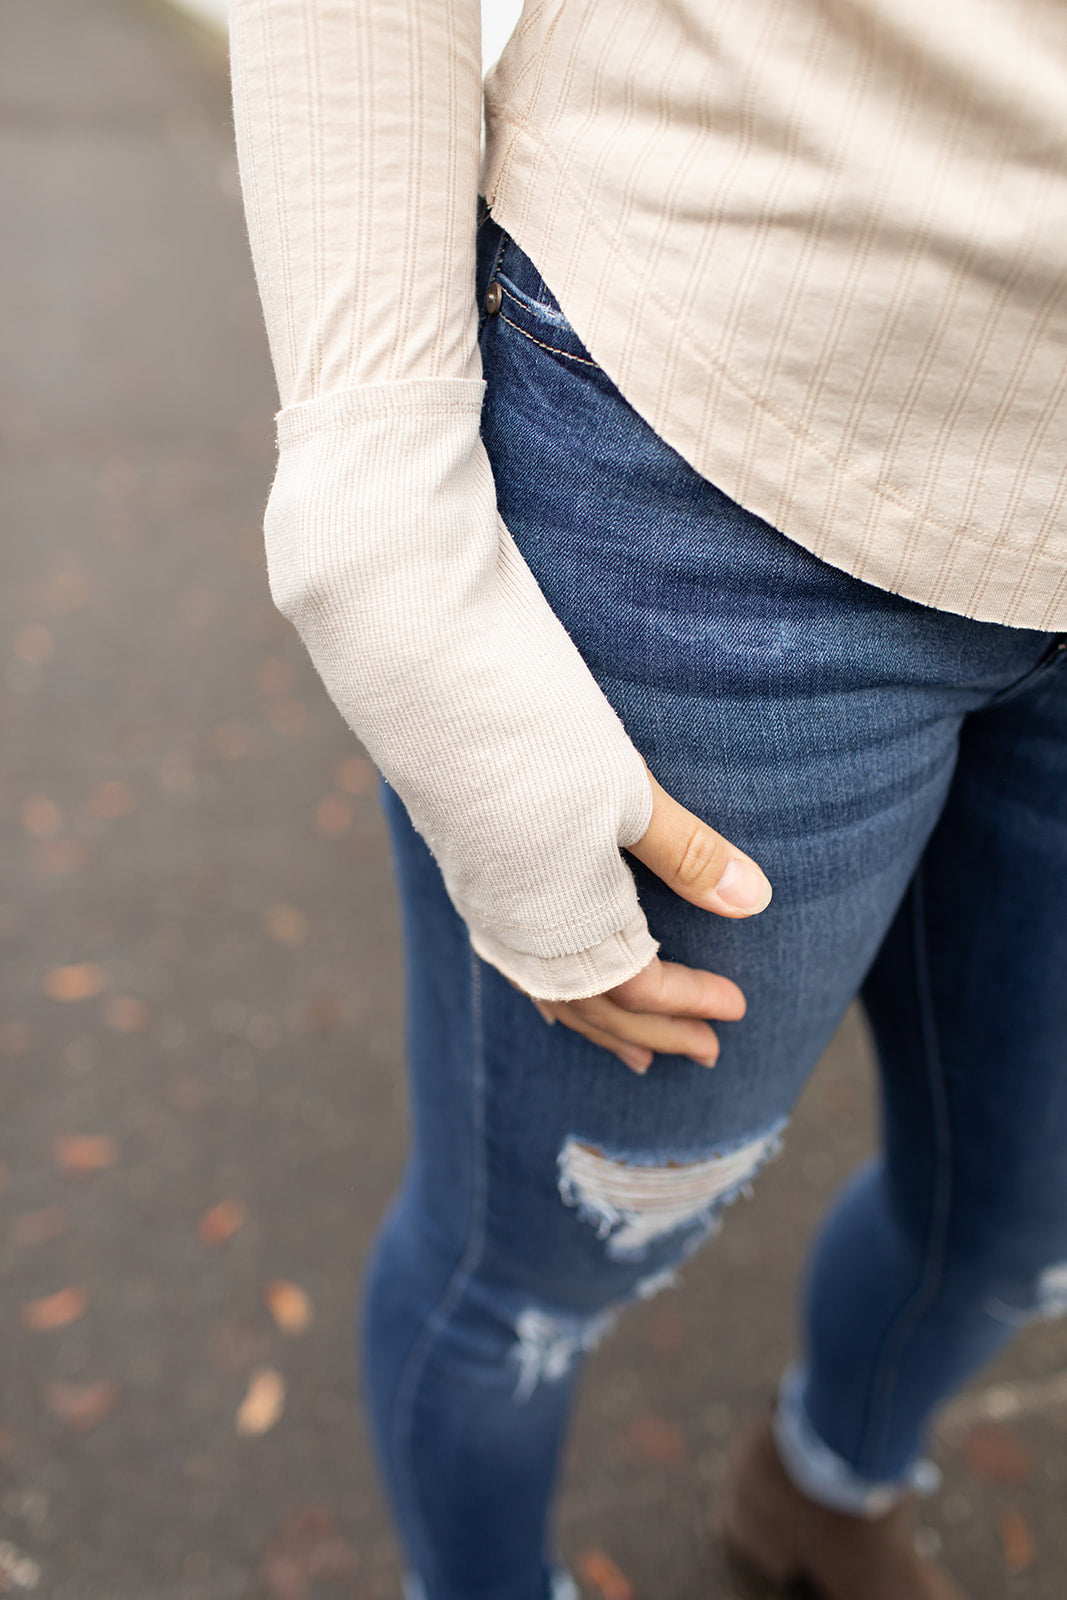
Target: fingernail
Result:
[705, 1061]
[742, 886]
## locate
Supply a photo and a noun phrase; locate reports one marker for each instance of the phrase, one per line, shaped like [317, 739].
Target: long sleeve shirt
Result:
[819, 245]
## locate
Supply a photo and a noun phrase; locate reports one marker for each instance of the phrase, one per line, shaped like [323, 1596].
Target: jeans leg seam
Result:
[403, 1405]
[931, 1277]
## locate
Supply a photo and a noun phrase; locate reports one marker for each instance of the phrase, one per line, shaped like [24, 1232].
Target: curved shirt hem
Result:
[869, 532]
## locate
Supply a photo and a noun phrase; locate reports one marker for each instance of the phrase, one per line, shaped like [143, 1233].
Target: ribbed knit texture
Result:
[820, 245]
[435, 641]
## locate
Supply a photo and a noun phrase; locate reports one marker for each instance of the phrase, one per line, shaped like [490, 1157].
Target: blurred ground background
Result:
[202, 1112]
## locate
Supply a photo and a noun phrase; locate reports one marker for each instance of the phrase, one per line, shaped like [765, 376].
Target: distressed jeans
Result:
[900, 774]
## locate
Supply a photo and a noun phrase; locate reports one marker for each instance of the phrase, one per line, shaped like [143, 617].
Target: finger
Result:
[633, 1056]
[675, 1036]
[637, 1057]
[681, 991]
[698, 863]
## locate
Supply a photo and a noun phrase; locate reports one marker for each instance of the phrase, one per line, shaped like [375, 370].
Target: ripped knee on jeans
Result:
[1045, 1299]
[634, 1200]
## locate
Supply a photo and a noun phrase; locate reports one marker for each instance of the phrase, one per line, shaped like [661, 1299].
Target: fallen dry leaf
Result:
[287, 714]
[33, 643]
[601, 1573]
[288, 924]
[356, 775]
[263, 1403]
[289, 1305]
[41, 817]
[655, 1439]
[668, 1331]
[38, 1227]
[230, 740]
[323, 1013]
[308, 1549]
[60, 857]
[15, 1039]
[1016, 1540]
[81, 981]
[68, 591]
[839, 1100]
[110, 799]
[80, 1154]
[126, 1014]
[54, 1310]
[80, 1406]
[333, 815]
[177, 777]
[275, 675]
[186, 1094]
[221, 1222]
[996, 1454]
[17, 1570]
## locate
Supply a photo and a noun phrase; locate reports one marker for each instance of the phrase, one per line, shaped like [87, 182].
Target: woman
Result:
[722, 441]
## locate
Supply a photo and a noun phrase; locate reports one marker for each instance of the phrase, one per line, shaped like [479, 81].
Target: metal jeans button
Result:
[493, 298]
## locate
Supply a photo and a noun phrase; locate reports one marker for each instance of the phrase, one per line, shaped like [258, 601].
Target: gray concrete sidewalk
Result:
[201, 1026]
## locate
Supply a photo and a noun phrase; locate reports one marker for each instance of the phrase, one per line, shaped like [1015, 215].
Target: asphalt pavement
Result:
[201, 1034]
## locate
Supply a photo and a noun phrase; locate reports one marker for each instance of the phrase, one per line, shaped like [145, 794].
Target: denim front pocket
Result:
[523, 300]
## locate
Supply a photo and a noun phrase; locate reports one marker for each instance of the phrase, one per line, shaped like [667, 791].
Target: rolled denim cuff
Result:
[560, 1585]
[823, 1475]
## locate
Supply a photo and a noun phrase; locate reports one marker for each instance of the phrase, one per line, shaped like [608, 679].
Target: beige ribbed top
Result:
[820, 245]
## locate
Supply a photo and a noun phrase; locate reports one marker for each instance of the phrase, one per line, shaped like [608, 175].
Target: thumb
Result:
[698, 863]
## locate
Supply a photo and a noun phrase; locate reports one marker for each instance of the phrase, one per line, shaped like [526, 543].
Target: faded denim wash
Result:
[901, 775]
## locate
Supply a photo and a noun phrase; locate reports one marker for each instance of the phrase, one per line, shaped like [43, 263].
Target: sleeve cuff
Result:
[572, 977]
[406, 398]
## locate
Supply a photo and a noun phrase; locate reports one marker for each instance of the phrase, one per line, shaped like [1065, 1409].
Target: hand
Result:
[663, 1008]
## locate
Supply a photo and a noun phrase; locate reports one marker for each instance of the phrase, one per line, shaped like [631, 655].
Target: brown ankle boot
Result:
[776, 1532]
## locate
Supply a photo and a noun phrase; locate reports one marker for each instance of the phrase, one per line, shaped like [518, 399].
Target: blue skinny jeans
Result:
[901, 775]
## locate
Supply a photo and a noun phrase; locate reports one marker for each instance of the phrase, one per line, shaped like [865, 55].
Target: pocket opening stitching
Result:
[551, 348]
[551, 313]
